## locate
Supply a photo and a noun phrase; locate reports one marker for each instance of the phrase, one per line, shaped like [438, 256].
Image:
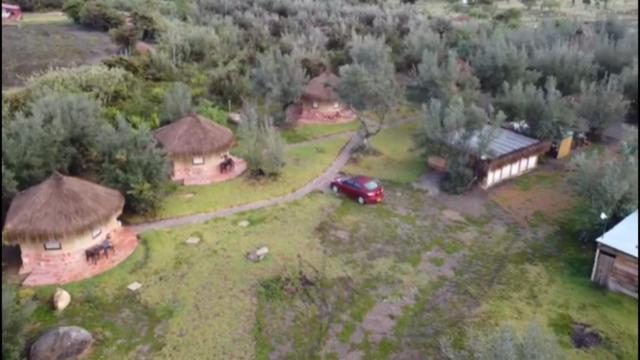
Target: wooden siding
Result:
[617, 271]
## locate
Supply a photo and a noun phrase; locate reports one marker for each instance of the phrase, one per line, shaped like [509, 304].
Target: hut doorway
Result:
[11, 258]
[604, 267]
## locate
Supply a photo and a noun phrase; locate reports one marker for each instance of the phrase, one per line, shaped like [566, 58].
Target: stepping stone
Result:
[244, 223]
[134, 286]
[192, 240]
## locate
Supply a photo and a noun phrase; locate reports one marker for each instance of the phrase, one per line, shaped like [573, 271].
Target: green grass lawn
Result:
[396, 161]
[196, 302]
[306, 132]
[303, 164]
[54, 17]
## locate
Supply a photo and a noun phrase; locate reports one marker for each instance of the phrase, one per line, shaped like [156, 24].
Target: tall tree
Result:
[280, 79]
[261, 144]
[602, 105]
[177, 102]
[548, 115]
[369, 84]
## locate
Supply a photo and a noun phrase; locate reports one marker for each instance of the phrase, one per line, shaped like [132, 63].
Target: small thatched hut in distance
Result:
[320, 104]
[197, 147]
[56, 221]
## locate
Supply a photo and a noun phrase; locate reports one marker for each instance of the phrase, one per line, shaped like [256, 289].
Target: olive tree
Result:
[369, 84]
[261, 144]
[177, 102]
[280, 79]
[602, 105]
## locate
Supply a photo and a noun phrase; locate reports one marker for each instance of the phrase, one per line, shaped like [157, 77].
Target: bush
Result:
[14, 319]
[177, 103]
[261, 144]
[209, 110]
[602, 105]
[39, 5]
[459, 177]
[133, 164]
[511, 17]
[98, 16]
[126, 36]
[72, 9]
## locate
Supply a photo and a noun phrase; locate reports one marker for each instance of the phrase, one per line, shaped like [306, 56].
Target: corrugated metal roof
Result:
[502, 142]
[624, 236]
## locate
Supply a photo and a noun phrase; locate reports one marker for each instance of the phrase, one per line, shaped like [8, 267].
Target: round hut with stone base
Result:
[199, 151]
[320, 104]
[67, 229]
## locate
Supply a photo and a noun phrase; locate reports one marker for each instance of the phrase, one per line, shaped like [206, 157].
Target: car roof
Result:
[361, 179]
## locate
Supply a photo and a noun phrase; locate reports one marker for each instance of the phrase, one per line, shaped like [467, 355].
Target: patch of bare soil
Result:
[583, 337]
[550, 200]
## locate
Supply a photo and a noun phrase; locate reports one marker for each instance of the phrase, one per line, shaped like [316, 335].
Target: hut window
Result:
[52, 245]
[315, 105]
[197, 160]
[95, 233]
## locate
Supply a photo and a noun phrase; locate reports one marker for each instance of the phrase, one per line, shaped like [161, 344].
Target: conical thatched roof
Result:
[321, 87]
[194, 135]
[60, 206]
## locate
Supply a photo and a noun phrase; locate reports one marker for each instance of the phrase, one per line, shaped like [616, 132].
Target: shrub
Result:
[177, 103]
[126, 36]
[261, 144]
[72, 9]
[567, 64]
[209, 110]
[602, 105]
[105, 84]
[98, 16]
[14, 319]
[459, 177]
[38, 5]
[133, 164]
[511, 17]
[629, 78]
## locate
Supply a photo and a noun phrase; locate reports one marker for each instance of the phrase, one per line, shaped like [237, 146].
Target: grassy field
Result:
[306, 132]
[303, 164]
[393, 278]
[43, 41]
[396, 160]
[196, 301]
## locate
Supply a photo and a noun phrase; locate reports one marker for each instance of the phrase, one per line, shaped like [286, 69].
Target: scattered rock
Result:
[583, 338]
[134, 286]
[244, 223]
[61, 299]
[192, 240]
[258, 254]
[61, 343]
[235, 118]
[453, 215]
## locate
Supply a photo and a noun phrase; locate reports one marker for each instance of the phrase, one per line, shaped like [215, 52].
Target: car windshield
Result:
[371, 185]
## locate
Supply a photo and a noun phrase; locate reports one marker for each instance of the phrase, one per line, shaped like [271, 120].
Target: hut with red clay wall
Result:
[54, 224]
[320, 104]
[197, 147]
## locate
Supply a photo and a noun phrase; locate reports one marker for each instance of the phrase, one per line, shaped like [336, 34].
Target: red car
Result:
[360, 188]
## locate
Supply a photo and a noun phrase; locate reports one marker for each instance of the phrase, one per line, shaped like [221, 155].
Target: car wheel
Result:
[360, 200]
[335, 189]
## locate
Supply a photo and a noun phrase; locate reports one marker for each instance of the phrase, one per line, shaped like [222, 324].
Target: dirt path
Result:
[319, 183]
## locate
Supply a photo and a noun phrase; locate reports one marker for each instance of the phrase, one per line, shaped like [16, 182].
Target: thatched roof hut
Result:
[58, 207]
[194, 135]
[320, 88]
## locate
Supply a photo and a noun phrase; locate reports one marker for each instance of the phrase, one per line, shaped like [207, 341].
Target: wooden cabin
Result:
[54, 224]
[320, 104]
[197, 147]
[616, 263]
[507, 154]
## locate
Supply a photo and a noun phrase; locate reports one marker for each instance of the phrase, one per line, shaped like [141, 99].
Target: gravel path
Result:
[319, 183]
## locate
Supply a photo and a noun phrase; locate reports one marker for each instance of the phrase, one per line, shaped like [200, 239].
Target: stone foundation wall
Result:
[73, 266]
[186, 173]
[33, 253]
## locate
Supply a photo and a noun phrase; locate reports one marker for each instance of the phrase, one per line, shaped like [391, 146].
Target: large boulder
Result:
[61, 343]
[61, 299]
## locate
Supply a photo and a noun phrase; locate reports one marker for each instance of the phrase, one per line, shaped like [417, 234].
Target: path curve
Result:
[319, 183]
